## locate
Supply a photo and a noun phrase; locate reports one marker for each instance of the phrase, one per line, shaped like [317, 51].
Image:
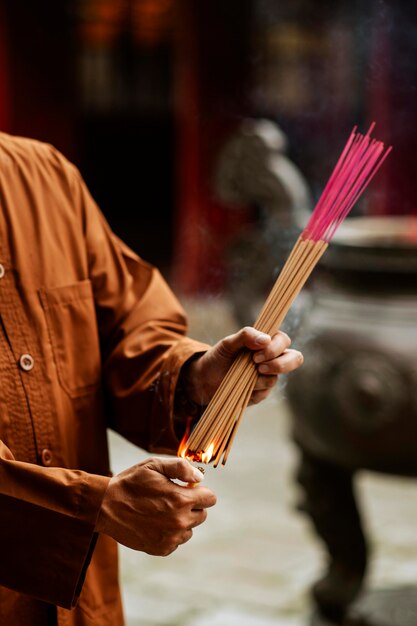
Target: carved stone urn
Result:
[354, 401]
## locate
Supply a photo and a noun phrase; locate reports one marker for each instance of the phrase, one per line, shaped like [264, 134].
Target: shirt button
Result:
[2, 271]
[46, 456]
[26, 362]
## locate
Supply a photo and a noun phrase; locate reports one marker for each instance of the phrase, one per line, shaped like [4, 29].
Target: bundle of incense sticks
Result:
[213, 436]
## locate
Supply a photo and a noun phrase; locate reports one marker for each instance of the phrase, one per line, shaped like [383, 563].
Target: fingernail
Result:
[262, 338]
[198, 476]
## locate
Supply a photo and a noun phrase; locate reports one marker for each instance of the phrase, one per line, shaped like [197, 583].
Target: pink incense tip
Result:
[371, 128]
[361, 158]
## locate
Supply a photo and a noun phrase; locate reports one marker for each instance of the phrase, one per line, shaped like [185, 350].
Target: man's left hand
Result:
[272, 356]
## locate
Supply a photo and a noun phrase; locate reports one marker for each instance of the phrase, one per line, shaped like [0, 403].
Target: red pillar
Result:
[188, 244]
[211, 89]
[392, 103]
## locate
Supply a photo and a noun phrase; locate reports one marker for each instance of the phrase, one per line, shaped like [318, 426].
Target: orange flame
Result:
[200, 456]
[182, 448]
[206, 456]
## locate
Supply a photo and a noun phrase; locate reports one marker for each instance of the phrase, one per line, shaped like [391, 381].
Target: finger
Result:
[195, 499]
[179, 469]
[259, 396]
[247, 337]
[266, 383]
[287, 362]
[172, 542]
[203, 498]
[184, 537]
[279, 343]
[199, 517]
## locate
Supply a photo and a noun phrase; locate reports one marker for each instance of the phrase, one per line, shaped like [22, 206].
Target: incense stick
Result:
[357, 165]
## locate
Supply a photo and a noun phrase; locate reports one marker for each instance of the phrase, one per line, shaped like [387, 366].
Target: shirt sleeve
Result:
[142, 329]
[62, 505]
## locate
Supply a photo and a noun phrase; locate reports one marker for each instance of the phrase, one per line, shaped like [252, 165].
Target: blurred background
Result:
[206, 130]
[143, 94]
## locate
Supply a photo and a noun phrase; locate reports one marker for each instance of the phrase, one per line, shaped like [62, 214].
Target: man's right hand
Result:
[144, 510]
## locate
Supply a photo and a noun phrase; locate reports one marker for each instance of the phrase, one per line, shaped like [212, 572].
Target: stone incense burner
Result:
[354, 401]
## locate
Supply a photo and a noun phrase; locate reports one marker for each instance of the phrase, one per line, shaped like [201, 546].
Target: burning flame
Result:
[182, 448]
[206, 456]
[200, 456]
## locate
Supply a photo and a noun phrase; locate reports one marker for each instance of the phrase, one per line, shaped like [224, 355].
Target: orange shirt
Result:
[90, 337]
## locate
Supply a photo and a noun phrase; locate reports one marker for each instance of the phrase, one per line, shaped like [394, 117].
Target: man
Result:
[90, 337]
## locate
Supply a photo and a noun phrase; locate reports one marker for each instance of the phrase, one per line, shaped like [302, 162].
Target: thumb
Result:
[247, 337]
[179, 469]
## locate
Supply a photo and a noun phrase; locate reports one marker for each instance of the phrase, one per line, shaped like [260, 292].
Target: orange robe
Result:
[90, 337]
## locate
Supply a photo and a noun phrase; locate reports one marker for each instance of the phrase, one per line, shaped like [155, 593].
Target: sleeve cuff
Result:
[46, 551]
[164, 439]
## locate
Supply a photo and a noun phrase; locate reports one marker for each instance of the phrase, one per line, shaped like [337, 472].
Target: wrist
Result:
[189, 395]
[101, 525]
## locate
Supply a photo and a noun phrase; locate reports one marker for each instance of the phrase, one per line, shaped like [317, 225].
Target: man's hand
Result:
[144, 510]
[272, 355]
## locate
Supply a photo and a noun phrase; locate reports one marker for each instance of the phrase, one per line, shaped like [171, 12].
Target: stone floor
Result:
[253, 560]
